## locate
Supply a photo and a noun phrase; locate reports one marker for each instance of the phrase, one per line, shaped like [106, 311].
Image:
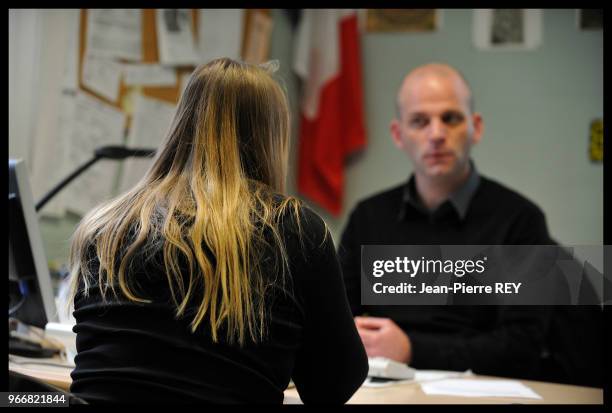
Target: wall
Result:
[537, 107]
[25, 38]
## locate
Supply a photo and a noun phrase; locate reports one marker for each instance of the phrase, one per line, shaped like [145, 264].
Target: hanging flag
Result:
[332, 127]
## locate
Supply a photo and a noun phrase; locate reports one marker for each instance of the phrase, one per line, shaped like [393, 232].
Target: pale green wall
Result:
[537, 107]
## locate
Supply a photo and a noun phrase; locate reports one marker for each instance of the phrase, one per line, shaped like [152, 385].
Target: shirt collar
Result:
[460, 199]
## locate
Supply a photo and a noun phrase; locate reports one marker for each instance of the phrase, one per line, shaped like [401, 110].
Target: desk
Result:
[411, 393]
[43, 369]
[405, 393]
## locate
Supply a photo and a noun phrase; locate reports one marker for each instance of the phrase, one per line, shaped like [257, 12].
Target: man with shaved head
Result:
[445, 202]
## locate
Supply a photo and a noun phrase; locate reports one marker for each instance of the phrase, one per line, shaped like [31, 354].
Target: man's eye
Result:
[418, 122]
[452, 118]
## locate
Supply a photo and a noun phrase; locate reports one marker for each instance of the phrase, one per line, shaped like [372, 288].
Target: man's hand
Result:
[381, 337]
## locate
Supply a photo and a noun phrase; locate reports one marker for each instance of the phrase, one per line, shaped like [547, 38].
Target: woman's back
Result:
[130, 352]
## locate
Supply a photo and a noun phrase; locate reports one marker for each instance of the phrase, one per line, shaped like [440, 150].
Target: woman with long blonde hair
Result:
[204, 283]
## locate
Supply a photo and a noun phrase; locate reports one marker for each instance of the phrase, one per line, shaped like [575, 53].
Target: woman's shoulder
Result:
[296, 218]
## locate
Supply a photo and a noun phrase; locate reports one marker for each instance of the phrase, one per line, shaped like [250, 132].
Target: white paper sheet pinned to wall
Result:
[114, 33]
[102, 76]
[150, 123]
[148, 74]
[175, 37]
[95, 124]
[220, 33]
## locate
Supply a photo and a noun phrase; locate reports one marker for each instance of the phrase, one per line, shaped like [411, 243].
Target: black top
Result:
[139, 353]
[503, 341]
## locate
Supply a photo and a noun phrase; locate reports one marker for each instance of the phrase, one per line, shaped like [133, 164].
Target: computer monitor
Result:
[31, 296]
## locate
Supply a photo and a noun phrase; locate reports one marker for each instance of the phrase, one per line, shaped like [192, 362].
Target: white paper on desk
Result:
[420, 376]
[150, 123]
[148, 74]
[114, 33]
[369, 382]
[430, 375]
[220, 33]
[175, 37]
[95, 124]
[479, 388]
[102, 76]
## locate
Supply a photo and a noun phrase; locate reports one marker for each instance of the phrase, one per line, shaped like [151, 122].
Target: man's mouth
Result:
[437, 156]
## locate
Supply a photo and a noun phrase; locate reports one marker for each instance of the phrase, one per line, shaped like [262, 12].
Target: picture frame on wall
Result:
[507, 29]
[589, 19]
[402, 20]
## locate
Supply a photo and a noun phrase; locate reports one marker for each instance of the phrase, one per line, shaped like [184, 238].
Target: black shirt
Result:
[139, 353]
[503, 341]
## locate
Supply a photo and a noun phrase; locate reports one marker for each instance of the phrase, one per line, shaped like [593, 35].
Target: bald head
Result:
[433, 74]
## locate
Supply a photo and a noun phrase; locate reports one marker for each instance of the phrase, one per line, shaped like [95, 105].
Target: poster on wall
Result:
[402, 20]
[507, 29]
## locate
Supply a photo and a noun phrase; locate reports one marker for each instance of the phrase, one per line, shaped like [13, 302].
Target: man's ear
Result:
[478, 125]
[396, 133]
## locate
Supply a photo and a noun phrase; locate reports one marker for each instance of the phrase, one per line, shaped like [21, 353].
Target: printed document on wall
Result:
[148, 74]
[96, 124]
[175, 37]
[150, 123]
[220, 33]
[102, 76]
[114, 33]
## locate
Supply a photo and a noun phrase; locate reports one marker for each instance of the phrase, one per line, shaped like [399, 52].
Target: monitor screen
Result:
[31, 296]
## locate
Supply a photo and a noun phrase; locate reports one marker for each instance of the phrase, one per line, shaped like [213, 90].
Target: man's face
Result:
[436, 128]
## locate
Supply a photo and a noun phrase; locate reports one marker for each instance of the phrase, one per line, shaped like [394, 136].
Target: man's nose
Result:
[437, 130]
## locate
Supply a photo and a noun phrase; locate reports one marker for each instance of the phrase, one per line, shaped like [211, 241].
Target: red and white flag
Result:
[328, 59]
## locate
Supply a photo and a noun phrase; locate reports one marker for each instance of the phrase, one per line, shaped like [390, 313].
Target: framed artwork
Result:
[507, 29]
[402, 20]
[590, 19]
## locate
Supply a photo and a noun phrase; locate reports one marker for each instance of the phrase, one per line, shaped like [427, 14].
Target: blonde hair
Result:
[209, 200]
